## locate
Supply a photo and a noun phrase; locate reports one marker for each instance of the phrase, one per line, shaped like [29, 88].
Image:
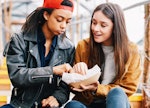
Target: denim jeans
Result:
[7, 106]
[116, 98]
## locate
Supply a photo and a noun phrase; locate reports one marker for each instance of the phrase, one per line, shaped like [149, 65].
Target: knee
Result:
[116, 91]
[116, 94]
[74, 104]
[117, 97]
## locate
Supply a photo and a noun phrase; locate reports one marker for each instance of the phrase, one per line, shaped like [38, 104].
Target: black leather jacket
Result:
[30, 81]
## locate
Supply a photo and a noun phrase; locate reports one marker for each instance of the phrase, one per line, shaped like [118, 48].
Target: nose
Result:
[63, 25]
[97, 28]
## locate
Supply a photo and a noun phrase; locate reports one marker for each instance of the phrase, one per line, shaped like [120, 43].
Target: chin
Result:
[97, 40]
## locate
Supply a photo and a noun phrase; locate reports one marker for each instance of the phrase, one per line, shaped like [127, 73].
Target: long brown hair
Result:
[119, 37]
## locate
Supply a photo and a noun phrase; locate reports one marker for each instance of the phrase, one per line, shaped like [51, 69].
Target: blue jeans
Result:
[116, 98]
[7, 106]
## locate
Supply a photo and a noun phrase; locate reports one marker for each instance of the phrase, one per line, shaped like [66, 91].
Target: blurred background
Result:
[13, 14]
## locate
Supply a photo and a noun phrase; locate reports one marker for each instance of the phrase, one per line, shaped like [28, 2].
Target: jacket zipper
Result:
[36, 97]
[27, 65]
[15, 91]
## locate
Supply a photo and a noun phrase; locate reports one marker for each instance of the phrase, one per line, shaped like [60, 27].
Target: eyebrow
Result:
[100, 21]
[63, 16]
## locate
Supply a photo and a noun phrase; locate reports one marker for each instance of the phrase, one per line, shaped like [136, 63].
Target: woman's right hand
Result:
[91, 87]
[60, 69]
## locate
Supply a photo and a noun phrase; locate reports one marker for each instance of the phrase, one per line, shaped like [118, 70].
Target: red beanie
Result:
[57, 4]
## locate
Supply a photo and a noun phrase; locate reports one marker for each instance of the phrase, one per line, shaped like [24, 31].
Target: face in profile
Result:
[57, 21]
[101, 28]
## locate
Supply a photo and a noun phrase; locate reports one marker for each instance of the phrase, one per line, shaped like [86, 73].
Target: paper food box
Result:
[75, 79]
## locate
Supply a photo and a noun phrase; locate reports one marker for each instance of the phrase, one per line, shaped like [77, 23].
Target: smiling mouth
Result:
[97, 35]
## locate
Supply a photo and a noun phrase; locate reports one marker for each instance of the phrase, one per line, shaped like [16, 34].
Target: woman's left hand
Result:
[80, 68]
[92, 87]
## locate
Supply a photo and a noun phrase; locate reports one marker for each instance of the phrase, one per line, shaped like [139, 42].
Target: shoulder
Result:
[15, 45]
[64, 42]
[68, 41]
[17, 38]
[133, 47]
[18, 35]
[83, 47]
[134, 53]
[84, 43]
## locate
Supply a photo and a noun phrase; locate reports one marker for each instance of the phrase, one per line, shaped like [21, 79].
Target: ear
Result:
[45, 15]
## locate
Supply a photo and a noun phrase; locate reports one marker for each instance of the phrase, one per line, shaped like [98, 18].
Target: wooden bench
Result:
[136, 100]
[5, 84]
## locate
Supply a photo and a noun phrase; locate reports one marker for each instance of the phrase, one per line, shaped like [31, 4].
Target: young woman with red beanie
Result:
[38, 55]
